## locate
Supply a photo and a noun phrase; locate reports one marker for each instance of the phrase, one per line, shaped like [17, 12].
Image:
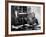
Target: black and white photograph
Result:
[24, 18]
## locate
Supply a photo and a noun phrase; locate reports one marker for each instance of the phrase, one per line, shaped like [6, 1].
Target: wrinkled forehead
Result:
[31, 13]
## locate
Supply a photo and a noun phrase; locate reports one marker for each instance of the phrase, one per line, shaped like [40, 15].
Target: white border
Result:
[22, 32]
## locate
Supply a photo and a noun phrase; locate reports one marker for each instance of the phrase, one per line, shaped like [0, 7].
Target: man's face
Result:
[32, 15]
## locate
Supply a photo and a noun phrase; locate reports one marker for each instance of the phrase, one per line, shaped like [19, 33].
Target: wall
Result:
[2, 19]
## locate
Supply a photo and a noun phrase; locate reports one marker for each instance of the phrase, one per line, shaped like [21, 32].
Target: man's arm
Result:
[37, 22]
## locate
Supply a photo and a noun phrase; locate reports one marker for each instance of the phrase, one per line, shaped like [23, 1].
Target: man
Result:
[32, 20]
